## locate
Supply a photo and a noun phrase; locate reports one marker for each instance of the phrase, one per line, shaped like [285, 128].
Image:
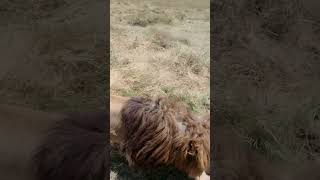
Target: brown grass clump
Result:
[144, 19]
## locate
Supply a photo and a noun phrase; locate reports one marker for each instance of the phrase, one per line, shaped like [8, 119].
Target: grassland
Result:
[159, 48]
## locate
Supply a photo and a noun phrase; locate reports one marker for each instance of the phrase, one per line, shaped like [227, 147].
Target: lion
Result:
[37, 145]
[21, 132]
[47, 145]
[152, 132]
[74, 146]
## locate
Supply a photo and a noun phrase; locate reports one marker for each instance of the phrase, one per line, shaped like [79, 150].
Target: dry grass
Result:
[160, 48]
[161, 58]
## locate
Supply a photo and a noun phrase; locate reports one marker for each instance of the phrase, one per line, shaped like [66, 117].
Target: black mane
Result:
[76, 148]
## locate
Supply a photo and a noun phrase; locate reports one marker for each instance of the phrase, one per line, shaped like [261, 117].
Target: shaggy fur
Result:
[75, 149]
[150, 132]
[162, 132]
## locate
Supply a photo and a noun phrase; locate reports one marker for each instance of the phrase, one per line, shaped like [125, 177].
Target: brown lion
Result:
[64, 146]
[159, 131]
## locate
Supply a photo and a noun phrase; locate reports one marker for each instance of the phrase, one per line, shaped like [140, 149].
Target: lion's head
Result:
[164, 132]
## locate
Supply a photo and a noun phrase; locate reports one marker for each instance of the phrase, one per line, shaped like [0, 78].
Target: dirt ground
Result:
[160, 48]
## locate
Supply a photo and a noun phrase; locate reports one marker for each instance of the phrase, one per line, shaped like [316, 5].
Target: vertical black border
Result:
[107, 10]
[212, 95]
[29, 15]
[306, 169]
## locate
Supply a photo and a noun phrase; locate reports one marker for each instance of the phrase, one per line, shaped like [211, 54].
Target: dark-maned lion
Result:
[21, 131]
[158, 131]
[75, 148]
[38, 145]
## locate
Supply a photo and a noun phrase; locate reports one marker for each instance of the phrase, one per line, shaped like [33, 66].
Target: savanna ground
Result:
[159, 48]
[266, 65]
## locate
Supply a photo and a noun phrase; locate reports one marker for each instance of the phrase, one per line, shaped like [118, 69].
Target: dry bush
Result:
[190, 62]
[161, 40]
[145, 18]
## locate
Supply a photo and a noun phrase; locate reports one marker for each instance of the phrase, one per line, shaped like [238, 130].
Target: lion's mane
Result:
[164, 132]
[76, 148]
